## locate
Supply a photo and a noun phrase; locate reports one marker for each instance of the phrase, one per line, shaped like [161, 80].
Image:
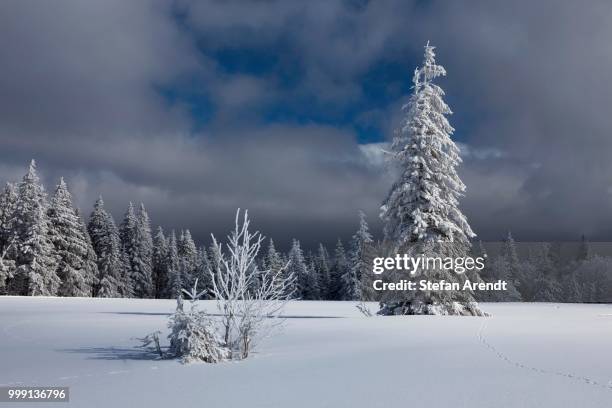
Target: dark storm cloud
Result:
[80, 91]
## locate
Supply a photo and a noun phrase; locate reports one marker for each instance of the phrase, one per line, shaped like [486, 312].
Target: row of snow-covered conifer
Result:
[547, 273]
[49, 250]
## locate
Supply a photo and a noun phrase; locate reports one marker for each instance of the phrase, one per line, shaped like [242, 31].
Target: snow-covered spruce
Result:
[107, 246]
[421, 213]
[143, 281]
[34, 254]
[175, 281]
[135, 232]
[159, 271]
[193, 337]
[188, 255]
[339, 269]
[359, 265]
[307, 285]
[202, 274]
[273, 259]
[322, 272]
[8, 200]
[76, 267]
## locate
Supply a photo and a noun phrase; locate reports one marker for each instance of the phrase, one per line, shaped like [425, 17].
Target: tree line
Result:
[47, 249]
[548, 273]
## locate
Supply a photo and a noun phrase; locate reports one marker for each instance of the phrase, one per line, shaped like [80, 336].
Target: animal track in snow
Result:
[517, 364]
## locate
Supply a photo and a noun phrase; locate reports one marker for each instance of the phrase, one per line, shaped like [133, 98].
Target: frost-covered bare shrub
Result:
[250, 300]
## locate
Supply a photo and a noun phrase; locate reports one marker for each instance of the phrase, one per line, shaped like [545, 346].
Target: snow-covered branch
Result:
[250, 300]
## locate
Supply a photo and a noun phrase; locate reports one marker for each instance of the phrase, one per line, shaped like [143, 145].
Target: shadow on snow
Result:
[113, 353]
[219, 315]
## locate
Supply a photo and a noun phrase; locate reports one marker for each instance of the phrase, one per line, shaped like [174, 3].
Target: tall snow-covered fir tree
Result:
[297, 267]
[314, 292]
[322, 271]
[359, 265]
[547, 287]
[514, 273]
[272, 260]
[202, 272]
[135, 232]
[34, 255]
[188, 254]
[421, 212]
[143, 282]
[501, 268]
[91, 259]
[8, 200]
[128, 232]
[175, 280]
[107, 246]
[75, 269]
[126, 288]
[160, 272]
[339, 269]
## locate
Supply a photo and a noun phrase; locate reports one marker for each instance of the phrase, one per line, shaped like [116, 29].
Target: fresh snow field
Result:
[327, 355]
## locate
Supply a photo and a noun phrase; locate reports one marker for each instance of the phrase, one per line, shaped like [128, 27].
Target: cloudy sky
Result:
[197, 108]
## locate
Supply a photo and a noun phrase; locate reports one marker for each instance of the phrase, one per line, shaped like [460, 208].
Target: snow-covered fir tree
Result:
[8, 200]
[126, 288]
[193, 337]
[500, 269]
[107, 246]
[306, 285]
[135, 232]
[322, 271]
[160, 273]
[75, 268]
[143, 283]
[359, 265]
[421, 214]
[339, 269]
[202, 273]
[34, 254]
[91, 258]
[547, 288]
[513, 265]
[314, 292]
[175, 281]
[128, 232]
[272, 260]
[188, 254]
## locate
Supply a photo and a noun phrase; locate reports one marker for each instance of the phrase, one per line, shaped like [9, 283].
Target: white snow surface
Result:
[327, 355]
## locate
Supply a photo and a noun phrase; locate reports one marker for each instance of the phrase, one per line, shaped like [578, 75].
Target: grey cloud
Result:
[307, 182]
[81, 69]
[78, 91]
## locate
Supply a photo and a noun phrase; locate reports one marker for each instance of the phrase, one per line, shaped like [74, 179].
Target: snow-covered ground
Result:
[328, 355]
